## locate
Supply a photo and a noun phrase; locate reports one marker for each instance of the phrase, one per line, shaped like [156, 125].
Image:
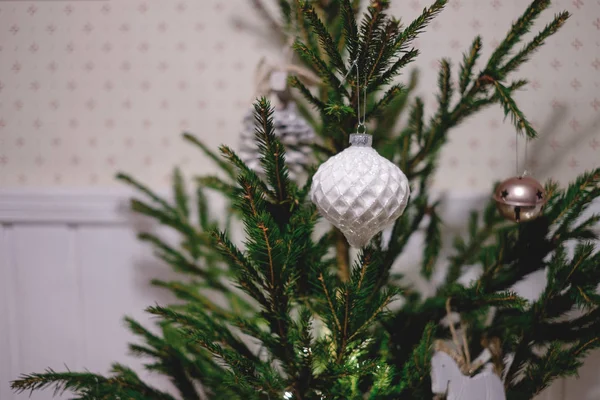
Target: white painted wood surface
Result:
[71, 268]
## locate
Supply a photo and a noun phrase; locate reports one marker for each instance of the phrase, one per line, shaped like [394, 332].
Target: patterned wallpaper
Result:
[88, 88]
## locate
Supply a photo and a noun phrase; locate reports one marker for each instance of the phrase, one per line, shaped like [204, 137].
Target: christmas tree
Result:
[293, 313]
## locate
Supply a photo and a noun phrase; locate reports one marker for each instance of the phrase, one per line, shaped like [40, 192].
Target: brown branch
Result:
[343, 255]
[371, 319]
[363, 269]
[345, 331]
[331, 307]
[264, 229]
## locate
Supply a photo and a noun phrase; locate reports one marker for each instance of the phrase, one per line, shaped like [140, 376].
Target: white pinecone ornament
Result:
[359, 191]
[294, 132]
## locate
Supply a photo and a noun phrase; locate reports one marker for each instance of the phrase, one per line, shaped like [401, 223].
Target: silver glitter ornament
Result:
[359, 191]
[520, 198]
[291, 129]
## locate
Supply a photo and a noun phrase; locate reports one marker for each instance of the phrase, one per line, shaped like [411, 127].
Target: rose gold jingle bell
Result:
[521, 198]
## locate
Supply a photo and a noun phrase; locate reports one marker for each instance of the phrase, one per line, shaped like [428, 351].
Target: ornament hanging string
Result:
[361, 116]
[526, 156]
[517, 154]
[525, 163]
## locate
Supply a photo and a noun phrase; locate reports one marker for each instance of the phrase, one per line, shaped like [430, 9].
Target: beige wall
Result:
[89, 88]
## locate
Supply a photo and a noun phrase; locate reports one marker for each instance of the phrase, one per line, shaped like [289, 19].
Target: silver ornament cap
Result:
[359, 191]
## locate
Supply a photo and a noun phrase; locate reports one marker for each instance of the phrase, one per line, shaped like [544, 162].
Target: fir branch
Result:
[584, 230]
[350, 29]
[294, 82]
[372, 22]
[247, 275]
[235, 256]
[376, 33]
[383, 49]
[416, 369]
[147, 191]
[332, 307]
[200, 325]
[517, 117]
[226, 167]
[467, 251]
[445, 86]
[311, 58]
[387, 121]
[393, 71]
[169, 360]
[181, 198]
[218, 184]
[252, 376]
[518, 84]
[418, 25]
[302, 29]
[467, 107]
[325, 38]
[338, 111]
[234, 159]
[469, 60]
[528, 50]
[124, 383]
[537, 374]
[190, 293]
[271, 150]
[170, 219]
[383, 303]
[415, 121]
[202, 210]
[345, 322]
[582, 253]
[433, 243]
[519, 28]
[501, 300]
[403, 230]
[390, 95]
[174, 257]
[578, 196]
[269, 247]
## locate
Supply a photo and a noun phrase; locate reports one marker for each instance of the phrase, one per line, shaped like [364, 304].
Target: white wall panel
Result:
[108, 278]
[47, 301]
[8, 336]
[116, 271]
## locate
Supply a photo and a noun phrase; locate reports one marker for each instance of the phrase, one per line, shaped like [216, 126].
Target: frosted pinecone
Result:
[291, 129]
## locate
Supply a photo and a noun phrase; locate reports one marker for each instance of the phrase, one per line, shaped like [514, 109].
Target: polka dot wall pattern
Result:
[91, 88]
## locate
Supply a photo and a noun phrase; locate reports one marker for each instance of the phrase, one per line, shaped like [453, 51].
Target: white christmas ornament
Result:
[359, 191]
[447, 379]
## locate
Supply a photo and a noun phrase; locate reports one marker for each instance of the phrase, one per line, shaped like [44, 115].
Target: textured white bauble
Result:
[359, 191]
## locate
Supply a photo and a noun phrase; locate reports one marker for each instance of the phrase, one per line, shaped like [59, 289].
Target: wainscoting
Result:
[71, 268]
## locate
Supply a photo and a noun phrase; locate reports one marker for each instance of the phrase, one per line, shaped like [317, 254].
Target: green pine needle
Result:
[520, 122]
[469, 60]
[519, 28]
[528, 50]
